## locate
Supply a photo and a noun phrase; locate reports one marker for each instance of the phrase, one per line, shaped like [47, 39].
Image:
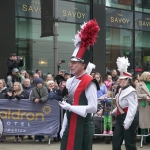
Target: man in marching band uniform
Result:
[77, 128]
[126, 110]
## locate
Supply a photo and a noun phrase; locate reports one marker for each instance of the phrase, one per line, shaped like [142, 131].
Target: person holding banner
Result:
[39, 94]
[18, 94]
[78, 129]
[3, 95]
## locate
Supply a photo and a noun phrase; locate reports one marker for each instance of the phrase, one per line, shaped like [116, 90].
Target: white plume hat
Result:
[89, 68]
[122, 64]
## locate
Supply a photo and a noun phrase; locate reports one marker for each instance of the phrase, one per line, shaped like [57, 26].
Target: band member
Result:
[78, 128]
[126, 111]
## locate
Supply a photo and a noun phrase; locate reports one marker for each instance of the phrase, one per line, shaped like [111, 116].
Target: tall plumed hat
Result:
[122, 64]
[83, 39]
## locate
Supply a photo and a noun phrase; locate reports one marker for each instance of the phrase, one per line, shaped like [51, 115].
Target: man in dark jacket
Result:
[14, 62]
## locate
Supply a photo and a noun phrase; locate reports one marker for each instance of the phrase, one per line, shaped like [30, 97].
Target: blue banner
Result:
[24, 117]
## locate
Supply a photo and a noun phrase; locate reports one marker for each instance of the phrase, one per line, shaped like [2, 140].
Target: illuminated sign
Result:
[73, 12]
[119, 18]
[142, 21]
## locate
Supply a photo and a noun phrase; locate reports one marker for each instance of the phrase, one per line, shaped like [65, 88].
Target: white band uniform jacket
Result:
[128, 98]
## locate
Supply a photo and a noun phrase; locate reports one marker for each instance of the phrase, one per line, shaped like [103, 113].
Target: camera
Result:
[62, 61]
[19, 58]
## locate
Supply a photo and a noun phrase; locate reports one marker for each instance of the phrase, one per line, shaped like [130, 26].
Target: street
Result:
[31, 145]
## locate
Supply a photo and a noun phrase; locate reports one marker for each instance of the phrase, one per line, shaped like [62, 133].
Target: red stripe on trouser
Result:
[72, 131]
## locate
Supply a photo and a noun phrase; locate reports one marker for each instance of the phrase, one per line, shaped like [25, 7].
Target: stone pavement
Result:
[31, 145]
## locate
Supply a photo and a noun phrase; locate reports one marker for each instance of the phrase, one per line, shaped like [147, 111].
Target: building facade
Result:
[125, 31]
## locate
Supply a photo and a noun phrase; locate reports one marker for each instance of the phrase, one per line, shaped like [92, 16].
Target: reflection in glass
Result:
[118, 43]
[142, 51]
[142, 5]
[124, 4]
[37, 52]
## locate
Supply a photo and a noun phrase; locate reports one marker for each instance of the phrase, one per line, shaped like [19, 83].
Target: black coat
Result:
[11, 64]
[3, 94]
[23, 95]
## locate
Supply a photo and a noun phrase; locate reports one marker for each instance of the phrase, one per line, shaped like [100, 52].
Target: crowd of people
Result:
[21, 85]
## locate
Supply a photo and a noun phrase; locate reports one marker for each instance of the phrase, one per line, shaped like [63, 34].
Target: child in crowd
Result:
[106, 104]
[108, 82]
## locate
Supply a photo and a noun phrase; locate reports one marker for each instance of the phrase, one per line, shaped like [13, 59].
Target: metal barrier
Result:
[99, 119]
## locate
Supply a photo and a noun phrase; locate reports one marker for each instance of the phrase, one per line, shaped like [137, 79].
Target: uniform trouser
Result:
[129, 135]
[85, 140]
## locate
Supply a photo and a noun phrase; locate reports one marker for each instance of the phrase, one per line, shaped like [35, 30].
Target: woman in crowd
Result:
[18, 94]
[39, 94]
[54, 91]
[108, 82]
[3, 95]
[103, 89]
[49, 77]
[25, 74]
[143, 90]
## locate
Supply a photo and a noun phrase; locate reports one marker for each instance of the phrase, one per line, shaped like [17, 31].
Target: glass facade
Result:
[127, 32]
[128, 37]
[38, 53]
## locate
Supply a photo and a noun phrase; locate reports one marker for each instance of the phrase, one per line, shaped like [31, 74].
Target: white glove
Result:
[65, 105]
[64, 124]
[80, 110]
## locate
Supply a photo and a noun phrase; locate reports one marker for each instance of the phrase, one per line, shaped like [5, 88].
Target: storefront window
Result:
[142, 5]
[38, 53]
[142, 51]
[118, 43]
[122, 4]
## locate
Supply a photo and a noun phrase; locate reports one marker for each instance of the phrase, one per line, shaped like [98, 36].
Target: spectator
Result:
[14, 62]
[18, 94]
[3, 89]
[108, 82]
[143, 90]
[54, 91]
[3, 95]
[39, 94]
[15, 77]
[114, 75]
[60, 77]
[39, 73]
[49, 77]
[25, 74]
[27, 88]
[102, 86]
[34, 77]
[67, 76]
[92, 73]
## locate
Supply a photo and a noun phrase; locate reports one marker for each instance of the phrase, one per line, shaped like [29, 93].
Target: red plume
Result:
[89, 33]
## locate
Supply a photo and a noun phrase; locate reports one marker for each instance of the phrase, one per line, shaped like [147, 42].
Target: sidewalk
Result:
[31, 145]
